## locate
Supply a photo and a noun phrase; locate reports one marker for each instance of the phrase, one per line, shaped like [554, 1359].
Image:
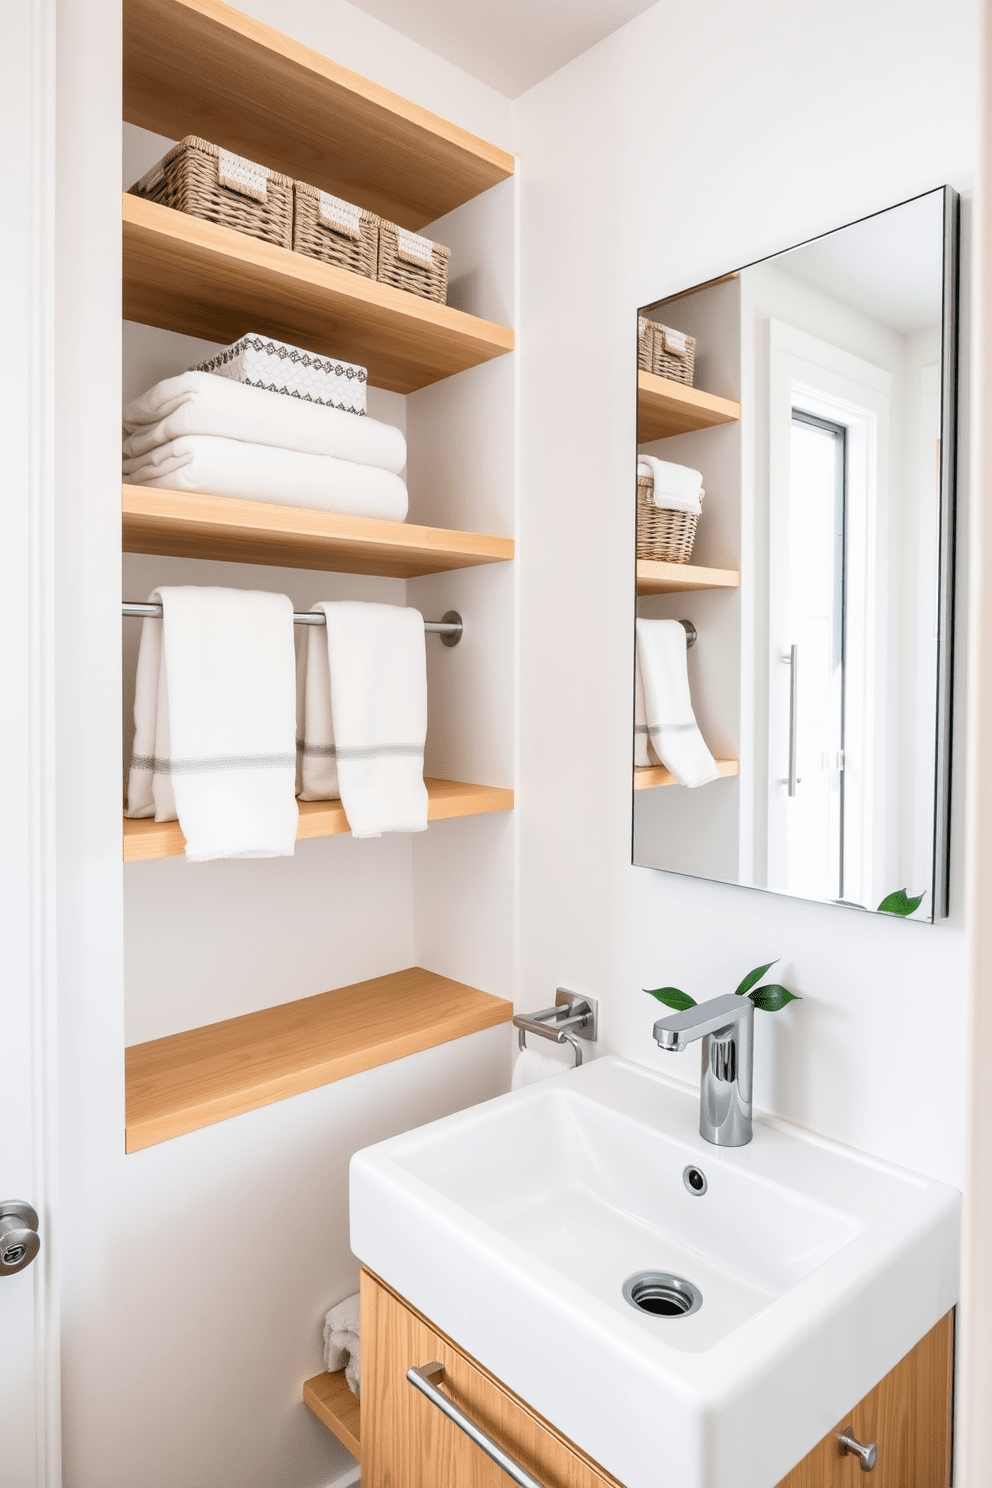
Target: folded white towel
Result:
[671, 723]
[260, 472]
[202, 403]
[377, 668]
[676, 487]
[214, 722]
[342, 1346]
[532, 1065]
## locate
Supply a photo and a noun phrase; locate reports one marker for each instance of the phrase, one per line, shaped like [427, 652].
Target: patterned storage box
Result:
[264, 362]
[335, 231]
[408, 261]
[204, 181]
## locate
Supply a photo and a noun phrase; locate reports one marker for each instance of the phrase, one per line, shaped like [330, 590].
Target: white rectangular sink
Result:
[514, 1225]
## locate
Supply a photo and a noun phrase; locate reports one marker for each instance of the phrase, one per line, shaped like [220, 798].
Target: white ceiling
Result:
[509, 44]
[889, 266]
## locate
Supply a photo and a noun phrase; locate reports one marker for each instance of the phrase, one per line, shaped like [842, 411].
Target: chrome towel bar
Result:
[449, 627]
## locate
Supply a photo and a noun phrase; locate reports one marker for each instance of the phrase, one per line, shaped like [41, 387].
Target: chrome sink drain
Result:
[662, 1294]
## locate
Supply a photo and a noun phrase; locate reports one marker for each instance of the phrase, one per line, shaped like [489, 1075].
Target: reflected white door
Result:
[29, 1455]
[817, 632]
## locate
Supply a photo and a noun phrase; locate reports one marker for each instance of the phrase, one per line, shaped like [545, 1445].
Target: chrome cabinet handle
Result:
[792, 661]
[867, 1451]
[426, 1379]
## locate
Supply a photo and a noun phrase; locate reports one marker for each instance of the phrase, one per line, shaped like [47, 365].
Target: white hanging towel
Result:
[214, 715]
[644, 755]
[671, 723]
[676, 487]
[317, 774]
[377, 669]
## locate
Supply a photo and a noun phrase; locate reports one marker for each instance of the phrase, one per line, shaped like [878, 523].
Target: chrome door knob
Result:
[19, 1242]
[867, 1451]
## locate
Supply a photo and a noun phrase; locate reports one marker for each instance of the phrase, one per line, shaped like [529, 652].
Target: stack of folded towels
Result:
[222, 742]
[209, 432]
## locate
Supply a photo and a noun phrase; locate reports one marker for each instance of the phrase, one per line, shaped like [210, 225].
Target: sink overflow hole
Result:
[662, 1294]
[694, 1180]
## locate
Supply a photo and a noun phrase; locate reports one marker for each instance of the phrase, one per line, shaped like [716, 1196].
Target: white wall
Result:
[796, 126]
[196, 1273]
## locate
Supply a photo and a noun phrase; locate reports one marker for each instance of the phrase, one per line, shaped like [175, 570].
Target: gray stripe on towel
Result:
[216, 763]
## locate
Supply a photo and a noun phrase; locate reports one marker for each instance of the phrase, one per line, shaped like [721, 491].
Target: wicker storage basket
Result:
[204, 181]
[664, 535]
[407, 261]
[669, 359]
[645, 344]
[334, 231]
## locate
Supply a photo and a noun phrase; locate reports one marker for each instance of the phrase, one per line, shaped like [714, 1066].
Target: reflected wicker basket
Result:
[663, 535]
[665, 352]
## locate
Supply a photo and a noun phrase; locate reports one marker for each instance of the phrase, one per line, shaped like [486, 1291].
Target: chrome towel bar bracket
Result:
[573, 1017]
[450, 626]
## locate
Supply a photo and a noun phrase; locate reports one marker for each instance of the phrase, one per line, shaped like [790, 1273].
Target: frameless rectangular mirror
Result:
[795, 545]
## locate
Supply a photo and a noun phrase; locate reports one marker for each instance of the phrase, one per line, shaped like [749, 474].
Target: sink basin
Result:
[514, 1225]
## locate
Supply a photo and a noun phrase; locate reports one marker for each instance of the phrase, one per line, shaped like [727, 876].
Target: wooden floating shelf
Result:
[649, 777]
[183, 274]
[145, 839]
[332, 1402]
[654, 577]
[195, 1079]
[186, 524]
[665, 407]
[200, 67]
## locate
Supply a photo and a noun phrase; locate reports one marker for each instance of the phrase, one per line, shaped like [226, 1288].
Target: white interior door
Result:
[29, 1454]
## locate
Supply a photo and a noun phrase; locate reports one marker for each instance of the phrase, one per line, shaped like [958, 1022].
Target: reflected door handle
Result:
[792, 662]
[19, 1242]
[426, 1379]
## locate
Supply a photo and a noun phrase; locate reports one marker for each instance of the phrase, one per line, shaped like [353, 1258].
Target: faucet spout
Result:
[726, 1027]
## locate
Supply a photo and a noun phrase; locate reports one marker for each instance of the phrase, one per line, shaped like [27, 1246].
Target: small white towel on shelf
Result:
[670, 721]
[342, 1348]
[374, 732]
[205, 403]
[532, 1065]
[214, 715]
[260, 472]
[676, 487]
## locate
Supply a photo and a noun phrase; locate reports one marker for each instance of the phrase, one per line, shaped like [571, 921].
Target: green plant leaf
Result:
[672, 997]
[752, 977]
[900, 903]
[771, 997]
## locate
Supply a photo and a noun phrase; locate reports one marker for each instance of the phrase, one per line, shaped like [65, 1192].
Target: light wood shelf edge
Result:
[186, 1081]
[665, 408]
[184, 274]
[332, 1402]
[649, 777]
[202, 67]
[145, 838]
[656, 577]
[190, 524]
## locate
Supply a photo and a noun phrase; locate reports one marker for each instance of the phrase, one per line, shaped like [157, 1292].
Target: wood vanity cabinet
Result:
[406, 1442]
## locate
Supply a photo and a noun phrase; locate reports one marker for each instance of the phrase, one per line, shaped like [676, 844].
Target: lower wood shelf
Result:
[332, 1402]
[145, 839]
[656, 577]
[648, 777]
[205, 1075]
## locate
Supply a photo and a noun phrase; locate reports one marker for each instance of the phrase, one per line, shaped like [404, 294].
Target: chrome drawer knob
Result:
[866, 1451]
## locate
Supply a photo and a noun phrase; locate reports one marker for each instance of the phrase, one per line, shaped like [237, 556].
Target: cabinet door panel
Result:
[908, 1416]
[408, 1443]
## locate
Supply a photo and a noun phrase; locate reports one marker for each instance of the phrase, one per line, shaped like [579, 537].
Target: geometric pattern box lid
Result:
[264, 362]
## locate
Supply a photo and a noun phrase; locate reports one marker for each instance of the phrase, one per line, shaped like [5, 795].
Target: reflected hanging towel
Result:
[214, 714]
[369, 745]
[669, 720]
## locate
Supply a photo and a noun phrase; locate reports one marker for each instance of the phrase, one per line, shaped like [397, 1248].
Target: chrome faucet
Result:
[726, 1027]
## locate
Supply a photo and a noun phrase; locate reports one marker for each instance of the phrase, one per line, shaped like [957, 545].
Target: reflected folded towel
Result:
[532, 1065]
[202, 403]
[260, 472]
[365, 727]
[669, 720]
[342, 1346]
[676, 487]
[214, 722]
